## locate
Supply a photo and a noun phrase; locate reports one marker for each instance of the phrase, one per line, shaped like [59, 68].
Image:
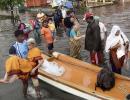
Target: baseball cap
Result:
[87, 15]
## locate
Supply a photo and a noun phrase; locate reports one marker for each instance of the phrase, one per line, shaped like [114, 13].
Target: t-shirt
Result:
[46, 32]
[63, 13]
[72, 33]
[21, 49]
[102, 30]
[67, 22]
[52, 27]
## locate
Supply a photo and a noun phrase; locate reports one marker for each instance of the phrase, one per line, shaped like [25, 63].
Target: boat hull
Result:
[80, 77]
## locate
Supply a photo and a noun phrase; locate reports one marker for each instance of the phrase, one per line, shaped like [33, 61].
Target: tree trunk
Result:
[12, 14]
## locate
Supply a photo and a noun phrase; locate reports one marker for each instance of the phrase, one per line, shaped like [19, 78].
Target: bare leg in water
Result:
[25, 87]
[36, 86]
[8, 79]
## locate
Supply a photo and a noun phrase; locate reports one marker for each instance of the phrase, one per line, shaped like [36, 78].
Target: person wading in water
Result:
[93, 39]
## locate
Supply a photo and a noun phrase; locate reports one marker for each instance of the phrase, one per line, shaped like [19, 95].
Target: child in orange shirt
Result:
[47, 35]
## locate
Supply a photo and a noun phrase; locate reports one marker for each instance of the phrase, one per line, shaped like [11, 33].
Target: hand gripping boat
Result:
[80, 77]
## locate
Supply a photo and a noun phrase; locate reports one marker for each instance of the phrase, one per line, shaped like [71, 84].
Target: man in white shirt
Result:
[63, 10]
[103, 35]
[103, 30]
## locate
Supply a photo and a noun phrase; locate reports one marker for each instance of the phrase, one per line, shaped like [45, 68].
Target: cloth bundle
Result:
[53, 68]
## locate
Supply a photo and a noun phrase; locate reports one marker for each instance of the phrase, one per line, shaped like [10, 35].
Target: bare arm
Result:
[79, 37]
[34, 69]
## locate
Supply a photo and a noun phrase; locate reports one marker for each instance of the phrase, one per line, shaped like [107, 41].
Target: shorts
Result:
[50, 46]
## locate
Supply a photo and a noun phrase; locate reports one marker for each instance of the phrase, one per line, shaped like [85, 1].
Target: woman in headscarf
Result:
[117, 46]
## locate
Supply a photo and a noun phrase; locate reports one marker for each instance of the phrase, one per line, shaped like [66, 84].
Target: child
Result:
[34, 56]
[16, 68]
[52, 27]
[24, 28]
[46, 33]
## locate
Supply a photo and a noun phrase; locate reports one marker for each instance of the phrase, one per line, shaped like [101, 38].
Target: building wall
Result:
[99, 0]
[36, 3]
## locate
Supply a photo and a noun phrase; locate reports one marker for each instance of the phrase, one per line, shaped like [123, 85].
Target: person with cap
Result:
[93, 39]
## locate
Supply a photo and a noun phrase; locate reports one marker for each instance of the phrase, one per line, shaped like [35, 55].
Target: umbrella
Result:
[69, 4]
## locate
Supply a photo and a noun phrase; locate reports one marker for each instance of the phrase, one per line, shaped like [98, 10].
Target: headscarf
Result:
[31, 40]
[112, 40]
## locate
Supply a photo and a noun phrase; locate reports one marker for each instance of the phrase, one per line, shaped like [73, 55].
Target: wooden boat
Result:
[80, 77]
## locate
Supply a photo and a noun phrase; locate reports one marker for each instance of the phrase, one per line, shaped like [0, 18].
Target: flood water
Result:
[110, 15]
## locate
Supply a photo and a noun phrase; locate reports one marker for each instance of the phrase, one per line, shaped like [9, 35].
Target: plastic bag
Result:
[53, 68]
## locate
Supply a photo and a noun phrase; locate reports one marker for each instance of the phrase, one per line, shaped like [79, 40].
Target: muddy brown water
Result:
[110, 15]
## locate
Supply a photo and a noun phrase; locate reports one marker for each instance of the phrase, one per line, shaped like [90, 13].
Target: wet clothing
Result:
[34, 55]
[21, 49]
[92, 38]
[16, 66]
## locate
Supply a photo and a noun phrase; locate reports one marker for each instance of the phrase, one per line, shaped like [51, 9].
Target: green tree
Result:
[10, 4]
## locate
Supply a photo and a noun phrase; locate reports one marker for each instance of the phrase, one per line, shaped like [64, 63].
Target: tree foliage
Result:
[10, 4]
[4, 4]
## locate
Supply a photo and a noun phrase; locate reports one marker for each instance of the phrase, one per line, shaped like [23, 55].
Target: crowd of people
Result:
[25, 57]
